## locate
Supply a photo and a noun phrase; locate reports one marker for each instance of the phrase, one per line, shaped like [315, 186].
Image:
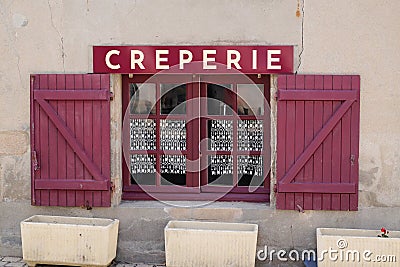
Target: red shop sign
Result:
[193, 59]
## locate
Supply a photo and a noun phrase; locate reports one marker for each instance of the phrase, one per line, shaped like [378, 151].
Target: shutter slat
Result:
[72, 94]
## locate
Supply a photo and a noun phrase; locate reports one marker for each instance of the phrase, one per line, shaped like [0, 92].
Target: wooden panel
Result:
[71, 94]
[61, 143]
[327, 145]
[70, 154]
[44, 145]
[35, 143]
[88, 136]
[96, 109]
[105, 139]
[299, 138]
[317, 125]
[290, 137]
[319, 138]
[65, 140]
[355, 129]
[64, 184]
[318, 95]
[281, 144]
[53, 144]
[79, 122]
[308, 137]
[314, 145]
[335, 198]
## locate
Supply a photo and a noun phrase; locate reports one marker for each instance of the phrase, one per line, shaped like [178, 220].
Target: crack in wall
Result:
[302, 35]
[59, 34]
[12, 39]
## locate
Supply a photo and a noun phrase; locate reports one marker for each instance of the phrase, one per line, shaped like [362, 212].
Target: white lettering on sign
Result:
[271, 59]
[108, 62]
[137, 61]
[230, 60]
[160, 59]
[254, 61]
[207, 59]
[183, 60]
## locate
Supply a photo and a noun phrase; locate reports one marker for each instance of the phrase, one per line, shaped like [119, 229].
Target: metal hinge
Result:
[111, 95]
[35, 162]
[275, 188]
[112, 186]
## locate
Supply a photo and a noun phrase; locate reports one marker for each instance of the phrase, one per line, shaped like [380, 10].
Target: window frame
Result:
[193, 190]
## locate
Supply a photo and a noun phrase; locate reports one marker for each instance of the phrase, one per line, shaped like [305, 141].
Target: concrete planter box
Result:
[352, 242]
[69, 240]
[193, 243]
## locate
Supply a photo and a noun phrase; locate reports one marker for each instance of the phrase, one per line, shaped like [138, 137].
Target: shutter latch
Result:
[352, 159]
[35, 161]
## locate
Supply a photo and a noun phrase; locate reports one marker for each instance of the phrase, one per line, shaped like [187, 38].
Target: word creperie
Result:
[193, 59]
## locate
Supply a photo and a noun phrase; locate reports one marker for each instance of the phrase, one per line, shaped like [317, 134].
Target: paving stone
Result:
[15, 264]
[12, 259]
[125, 265]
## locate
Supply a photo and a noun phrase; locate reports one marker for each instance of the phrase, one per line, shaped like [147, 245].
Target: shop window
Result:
[205, 136]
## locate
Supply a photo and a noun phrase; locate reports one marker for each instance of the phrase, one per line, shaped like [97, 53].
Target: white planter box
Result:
[207, 244]
[69, 240]
[349, 243]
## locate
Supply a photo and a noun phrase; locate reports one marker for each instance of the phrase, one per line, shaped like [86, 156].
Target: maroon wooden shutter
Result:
[70, 140]
[317, 142]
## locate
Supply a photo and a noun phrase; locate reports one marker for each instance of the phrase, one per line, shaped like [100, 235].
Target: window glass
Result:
[250, 99]
[220, 135]
[143, 169]
[220, 99]
[220, 170]
[173, 170]
[142, 98]
[173, 98]
[250, 170]
[173, 134]
[143, 134]
[250, 135]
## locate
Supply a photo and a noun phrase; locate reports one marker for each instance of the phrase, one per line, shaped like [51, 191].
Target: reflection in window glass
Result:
[250, 99]
[250, 171]
[220, 170]
[220, 99]
[173, 98]
[143, 98]
[143, 169]
[173, 170]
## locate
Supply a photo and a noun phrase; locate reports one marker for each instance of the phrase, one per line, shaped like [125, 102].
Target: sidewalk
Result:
[18, 262]
[6, 261]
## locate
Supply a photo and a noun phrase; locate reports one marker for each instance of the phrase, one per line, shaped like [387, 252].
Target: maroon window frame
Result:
[196, 86]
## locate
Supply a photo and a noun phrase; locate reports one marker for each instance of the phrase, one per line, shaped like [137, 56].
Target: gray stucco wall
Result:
[330, 37]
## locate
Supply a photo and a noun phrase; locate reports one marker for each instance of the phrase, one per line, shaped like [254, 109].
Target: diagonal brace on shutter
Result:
[313, 146]
[69, 137]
